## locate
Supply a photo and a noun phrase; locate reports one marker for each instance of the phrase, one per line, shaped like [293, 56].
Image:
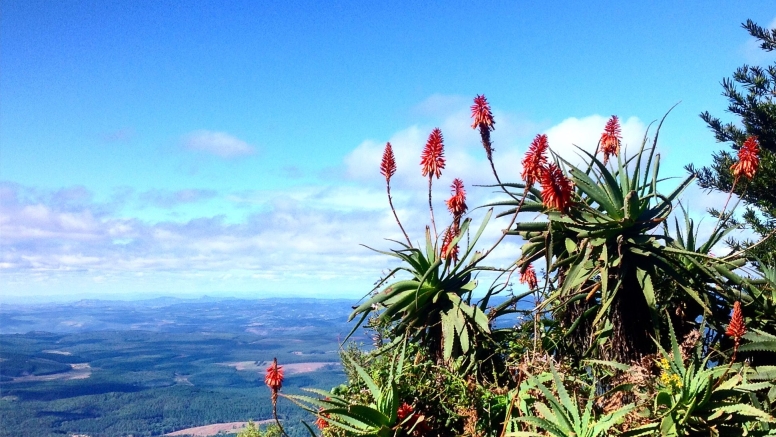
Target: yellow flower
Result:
[667, 377]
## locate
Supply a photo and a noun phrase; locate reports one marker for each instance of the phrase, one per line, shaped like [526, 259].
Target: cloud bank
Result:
[217, 143]
[305, 239]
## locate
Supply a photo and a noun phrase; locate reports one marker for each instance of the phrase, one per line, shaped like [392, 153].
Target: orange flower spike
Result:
[405, 410]
[456, 204]
[320, 422]
[481, 113]
[432, 160]
[535, 160]
[736, 328]
[556, 188]
[388, 165]
[448, 238]
[611, 138]
[274, 376]
[529, 277]
[748, 159]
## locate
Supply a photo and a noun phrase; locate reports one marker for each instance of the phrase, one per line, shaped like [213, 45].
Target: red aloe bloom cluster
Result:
[388, 165]
[483, 119]
[405, 410]
[456, 204]
[320, 421]
[529, 277]
[535, 160]
[736, 328]
[610, 139]
[556, 188]
[748, 159]
[450, 234]
[432, 160]
[417, 421]
[274, 378]
[481, 113]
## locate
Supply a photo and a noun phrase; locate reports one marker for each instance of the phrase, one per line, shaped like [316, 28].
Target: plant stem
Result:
[390, 202]
[489, 147]
[504, 233]
[732, 360]
[275, 413]
[722, 213]
[740, 252]
[431, 208]
[509, 411]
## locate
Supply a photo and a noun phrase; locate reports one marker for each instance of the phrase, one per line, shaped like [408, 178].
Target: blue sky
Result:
[189, 148]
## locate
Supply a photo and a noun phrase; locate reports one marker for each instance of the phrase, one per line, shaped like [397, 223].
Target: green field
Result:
[144, 382]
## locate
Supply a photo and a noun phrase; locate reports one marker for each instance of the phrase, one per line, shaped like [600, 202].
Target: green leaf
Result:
[448, 335]
[571, 247]
[613, 190]
[648, 429]
[746, 410]
[474, 240]
[531, 226]
[463, 336]
[675, 351]
[388, 405]
[370, 383]
[540, 423]
[565, 399]
[632, 205]
[764, 372]
[606, 422]
[645, 281]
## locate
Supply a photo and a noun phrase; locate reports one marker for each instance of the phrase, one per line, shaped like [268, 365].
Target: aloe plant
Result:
[378, 418]
[697, 399]
[607, 254]
[562, 415]
[434, 307]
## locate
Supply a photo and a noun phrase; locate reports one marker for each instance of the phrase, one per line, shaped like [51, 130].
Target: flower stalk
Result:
[483, 121]
[274, 380]
[610, 141]
[432, 161]
[746, 166]
[387, 169]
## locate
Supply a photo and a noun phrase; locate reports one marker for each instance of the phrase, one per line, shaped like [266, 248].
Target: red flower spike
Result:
[736, 328]
[481, 113]
[405, 410]
[611, 138]
[456, 204]
[483, 119]
[556, 188]
[448, 238]
[748, 159]
[388, 165]
[432, 160]
[320, 422]
[274, 376]
[535, 160]
[529, 277]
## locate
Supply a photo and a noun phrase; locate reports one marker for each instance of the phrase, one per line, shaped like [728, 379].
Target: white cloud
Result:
[586, 131]
[297, 237]
[217, 143]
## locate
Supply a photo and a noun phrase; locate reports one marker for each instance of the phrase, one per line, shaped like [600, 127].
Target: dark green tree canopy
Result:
[752, 97]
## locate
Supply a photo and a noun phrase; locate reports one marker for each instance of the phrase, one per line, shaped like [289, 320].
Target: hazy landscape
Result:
[110, 368]
[542, 219]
